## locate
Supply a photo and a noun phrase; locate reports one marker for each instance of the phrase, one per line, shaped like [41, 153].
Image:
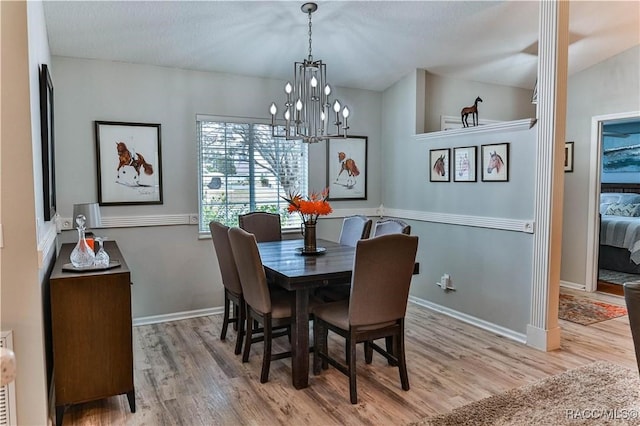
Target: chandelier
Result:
[308, 110]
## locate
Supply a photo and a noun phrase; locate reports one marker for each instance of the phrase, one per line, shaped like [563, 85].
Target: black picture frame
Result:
[343, 180]
[129, 163]
[47, 136]
[495, 162]
[440, 165]
[465, 160]
[568, 157]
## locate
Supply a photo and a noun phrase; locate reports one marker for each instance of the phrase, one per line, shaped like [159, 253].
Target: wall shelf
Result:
[505, 126]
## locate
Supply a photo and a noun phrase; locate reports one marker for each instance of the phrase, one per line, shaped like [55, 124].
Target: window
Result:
[244, 169]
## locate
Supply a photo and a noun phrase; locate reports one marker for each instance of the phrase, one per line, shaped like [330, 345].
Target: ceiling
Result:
[365, 44]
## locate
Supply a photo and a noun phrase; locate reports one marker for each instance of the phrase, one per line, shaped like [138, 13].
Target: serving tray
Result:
[70, 268]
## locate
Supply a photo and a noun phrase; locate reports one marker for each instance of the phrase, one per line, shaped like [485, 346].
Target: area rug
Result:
[595, 394]
[587, 311]
[616, 277]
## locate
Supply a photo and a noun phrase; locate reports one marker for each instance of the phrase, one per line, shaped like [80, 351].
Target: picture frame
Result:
[347, 168]
[465, 164]
[495, 162]
[439, 165]
[129, 163]
[47, 136]
[568, 157]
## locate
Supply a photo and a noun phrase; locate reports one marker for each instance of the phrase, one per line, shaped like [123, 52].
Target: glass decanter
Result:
[82, 255]
[102, 258]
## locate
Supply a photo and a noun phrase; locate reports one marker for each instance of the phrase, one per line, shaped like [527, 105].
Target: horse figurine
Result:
[438, 166]
[495, 162]
[348, 165]
[473, 110]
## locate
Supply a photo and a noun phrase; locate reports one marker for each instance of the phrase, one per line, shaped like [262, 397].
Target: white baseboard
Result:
[177, 316]
[574, 286]
[485, 325]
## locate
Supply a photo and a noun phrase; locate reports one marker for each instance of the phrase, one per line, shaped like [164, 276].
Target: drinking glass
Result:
[102, 258]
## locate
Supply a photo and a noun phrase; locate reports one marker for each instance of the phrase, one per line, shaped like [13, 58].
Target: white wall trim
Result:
[46, 243]
[177, 316]
[136, 221]
[544, 340]
[573, 286]
[504, 224]
[369, 212]
[485, 325]
[506, 126]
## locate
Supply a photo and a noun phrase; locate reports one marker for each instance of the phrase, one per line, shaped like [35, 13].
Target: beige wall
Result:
[610, 87]
[447, 96]
[21, 290]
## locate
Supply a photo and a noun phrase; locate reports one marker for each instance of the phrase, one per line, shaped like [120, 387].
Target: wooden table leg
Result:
[300, 340]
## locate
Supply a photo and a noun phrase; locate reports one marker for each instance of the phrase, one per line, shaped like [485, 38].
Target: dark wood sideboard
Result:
[92, 334]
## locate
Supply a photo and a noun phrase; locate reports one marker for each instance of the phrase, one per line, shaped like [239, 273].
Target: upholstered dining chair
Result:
[265, 226]
[632, 300]
[376, 309]
[390, 226]
[230, 281]
[270, 310]
[354, 228]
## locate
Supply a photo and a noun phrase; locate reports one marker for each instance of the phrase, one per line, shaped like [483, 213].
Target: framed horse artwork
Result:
[439, 165]
[347, 168]
[129, 163]
[495, 162]
[464, 164]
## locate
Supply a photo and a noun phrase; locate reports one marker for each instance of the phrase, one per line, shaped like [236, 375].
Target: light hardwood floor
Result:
[185, 375]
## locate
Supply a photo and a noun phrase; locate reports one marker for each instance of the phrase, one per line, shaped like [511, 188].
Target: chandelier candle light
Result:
[307, 108]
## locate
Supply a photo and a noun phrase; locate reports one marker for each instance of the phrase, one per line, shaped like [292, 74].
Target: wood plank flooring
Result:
[184, 375]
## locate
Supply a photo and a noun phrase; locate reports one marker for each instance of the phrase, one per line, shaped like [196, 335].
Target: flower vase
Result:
[310, 238]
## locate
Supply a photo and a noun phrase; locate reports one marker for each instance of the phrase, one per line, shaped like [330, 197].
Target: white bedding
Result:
[622, 232]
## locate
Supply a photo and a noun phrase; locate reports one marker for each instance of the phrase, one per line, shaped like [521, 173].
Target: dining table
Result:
[287, 266]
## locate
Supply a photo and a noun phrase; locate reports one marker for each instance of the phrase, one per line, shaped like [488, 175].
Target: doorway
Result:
[618, 180]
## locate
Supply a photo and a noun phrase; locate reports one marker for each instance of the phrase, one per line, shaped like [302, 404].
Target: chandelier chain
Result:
[310, 55]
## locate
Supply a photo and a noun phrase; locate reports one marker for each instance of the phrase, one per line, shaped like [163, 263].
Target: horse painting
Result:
[473, 110]
[129, 157]
[495, 163]
[129, 165]
[439, 166]
[348, 165]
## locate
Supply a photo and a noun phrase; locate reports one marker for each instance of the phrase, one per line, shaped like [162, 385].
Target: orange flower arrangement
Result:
[312, 207]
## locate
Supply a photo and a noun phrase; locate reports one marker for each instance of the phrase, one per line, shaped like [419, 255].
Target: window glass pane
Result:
[243, 169]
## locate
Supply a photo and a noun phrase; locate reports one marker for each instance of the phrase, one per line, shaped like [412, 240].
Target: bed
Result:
[620, 232]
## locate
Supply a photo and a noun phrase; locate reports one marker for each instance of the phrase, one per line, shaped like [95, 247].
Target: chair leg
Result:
[402, 362]
[368, 352]
[240, 315]
[324, 344]
[235, 315]
[353, 393]
[266, 356]
[391, 350]
[248, 335]
[317, 364]
[225, 319]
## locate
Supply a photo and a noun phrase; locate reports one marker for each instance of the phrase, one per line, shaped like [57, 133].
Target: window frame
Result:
[203, 228]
